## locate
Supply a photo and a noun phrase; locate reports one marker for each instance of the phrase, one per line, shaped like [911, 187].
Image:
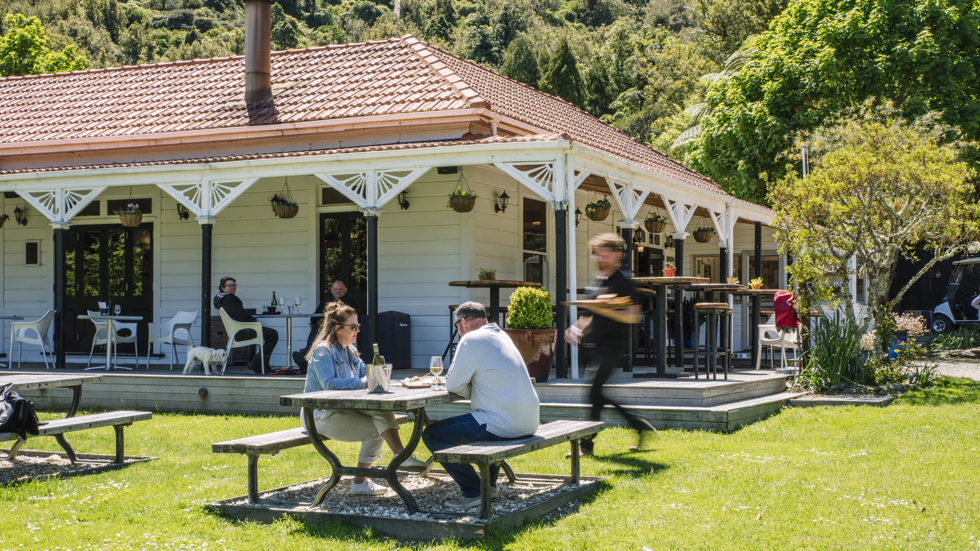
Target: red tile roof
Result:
[305, 153]
[397, 76]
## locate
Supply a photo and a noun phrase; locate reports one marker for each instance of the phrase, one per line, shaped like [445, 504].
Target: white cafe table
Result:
[3, 353]
[109, 338]
[289, 330]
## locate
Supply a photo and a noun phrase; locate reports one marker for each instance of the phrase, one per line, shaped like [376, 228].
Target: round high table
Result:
[494, 285]
[109, 339]
[3, 353]
[289, 330]
[756, 295]
[660, 319]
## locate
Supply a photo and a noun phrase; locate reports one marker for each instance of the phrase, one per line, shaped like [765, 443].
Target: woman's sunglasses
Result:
[354, 326]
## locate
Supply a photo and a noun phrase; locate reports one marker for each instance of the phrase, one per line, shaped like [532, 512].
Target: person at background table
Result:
[338, 293]
[607, 330]
[232, 305]
[334, 364]
[487, 369]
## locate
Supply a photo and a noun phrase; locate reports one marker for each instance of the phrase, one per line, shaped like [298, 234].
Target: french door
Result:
[343, 255]
[108, 263]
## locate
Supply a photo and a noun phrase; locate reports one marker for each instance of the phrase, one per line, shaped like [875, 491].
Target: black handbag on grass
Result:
[17, 414]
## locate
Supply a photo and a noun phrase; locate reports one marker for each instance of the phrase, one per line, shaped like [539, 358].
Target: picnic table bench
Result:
[269, 444]
[486, 453]
[57, 428]
[70, 423]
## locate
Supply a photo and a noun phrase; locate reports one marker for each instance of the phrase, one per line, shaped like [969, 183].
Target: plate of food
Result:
[422, 382]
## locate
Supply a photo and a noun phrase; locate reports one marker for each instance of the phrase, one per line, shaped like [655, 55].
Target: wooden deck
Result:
[684, 403]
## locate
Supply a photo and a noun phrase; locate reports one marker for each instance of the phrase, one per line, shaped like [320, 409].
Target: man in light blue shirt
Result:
[487, 369]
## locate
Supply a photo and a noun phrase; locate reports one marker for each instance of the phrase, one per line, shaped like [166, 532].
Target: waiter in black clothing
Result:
[607, 331]
[338, 293]
[233, 306]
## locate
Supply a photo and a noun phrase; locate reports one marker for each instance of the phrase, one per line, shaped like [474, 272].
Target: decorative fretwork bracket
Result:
[61, 205]
[679, 213]
[628, 199]
[206, 199]
[724, 224]
[372, 188]
[539, 177]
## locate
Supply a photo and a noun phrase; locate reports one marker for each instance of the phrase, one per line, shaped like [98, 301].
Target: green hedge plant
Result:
[529, 308]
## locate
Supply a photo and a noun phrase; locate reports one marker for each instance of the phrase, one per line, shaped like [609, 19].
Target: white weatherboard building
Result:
[344, 130]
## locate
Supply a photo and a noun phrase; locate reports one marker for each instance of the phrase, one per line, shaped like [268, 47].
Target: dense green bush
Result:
[962, 338]
[529, 308]
[836, 356]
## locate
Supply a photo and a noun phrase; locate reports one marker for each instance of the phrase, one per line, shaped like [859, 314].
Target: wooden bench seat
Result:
[269, 444]
[59, 427]
[486, 453]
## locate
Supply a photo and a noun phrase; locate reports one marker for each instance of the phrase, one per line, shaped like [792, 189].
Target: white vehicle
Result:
[963, 287]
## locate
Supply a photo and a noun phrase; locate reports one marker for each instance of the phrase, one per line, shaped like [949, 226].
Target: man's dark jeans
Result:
[456, 431]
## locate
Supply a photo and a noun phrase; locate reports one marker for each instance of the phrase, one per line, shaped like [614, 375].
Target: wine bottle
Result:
[378, 358]
[274, 304]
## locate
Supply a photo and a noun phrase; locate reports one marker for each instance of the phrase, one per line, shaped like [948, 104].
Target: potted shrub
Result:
[130, 216]
[462, 200]
[284, 207]
[703, 234]
[529, 325]
[598, 210]
[755, 283]
[655, 223]
[669, 269]
[486, 274]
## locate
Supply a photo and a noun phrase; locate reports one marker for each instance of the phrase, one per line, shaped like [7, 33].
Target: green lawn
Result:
[901, 477]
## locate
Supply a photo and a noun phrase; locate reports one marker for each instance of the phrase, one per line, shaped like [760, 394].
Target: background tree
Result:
[23, 50]
[285, 29]
[521, 62]
[879, 187]
[822, 56]
[562, 77]
[600, 90]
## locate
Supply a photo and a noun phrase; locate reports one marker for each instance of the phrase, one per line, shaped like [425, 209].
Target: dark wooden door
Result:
[108, 263]
[343, 255]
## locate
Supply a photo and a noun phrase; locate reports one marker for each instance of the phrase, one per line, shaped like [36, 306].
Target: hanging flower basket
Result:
[285, 210]
[702, 235]
[597, 214]
[283, 205]
[654, 226]
[462, 204]
[131, 220]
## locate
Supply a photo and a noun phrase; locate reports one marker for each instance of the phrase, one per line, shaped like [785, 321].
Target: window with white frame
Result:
[534, 240]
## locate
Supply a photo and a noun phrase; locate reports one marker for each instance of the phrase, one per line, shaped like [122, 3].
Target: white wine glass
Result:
[435, 367]
[298, 302]
[117, 309]
[282, 305]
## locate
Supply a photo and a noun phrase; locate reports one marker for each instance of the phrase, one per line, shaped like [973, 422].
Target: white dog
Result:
[209, 357]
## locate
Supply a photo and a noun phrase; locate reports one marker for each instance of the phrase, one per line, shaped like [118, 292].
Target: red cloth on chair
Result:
[785, 306]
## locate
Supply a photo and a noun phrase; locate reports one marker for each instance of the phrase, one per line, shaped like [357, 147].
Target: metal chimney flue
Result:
[258, 50]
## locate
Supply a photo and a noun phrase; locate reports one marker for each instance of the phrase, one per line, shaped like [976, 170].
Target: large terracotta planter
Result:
[537, 347]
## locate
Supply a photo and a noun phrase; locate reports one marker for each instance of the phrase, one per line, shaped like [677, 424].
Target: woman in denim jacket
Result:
[335, 365]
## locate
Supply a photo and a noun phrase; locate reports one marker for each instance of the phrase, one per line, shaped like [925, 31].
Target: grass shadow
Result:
[630, 463]
[945, 391]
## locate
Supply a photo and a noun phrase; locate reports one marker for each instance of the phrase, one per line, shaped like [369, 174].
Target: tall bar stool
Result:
[712, 350]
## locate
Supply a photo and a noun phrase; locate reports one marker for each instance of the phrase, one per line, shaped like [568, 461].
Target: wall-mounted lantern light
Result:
[20, 216]
[182, 212]
[669, 242]
[403, 199]
[578, 215]
[501, 204]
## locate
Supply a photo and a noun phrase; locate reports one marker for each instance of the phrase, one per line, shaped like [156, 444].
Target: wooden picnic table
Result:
[397, 398]
[74, 381]
[660, 284]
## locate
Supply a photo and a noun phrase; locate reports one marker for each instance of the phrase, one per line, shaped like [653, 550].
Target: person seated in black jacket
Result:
[338, 293]
[233, 306]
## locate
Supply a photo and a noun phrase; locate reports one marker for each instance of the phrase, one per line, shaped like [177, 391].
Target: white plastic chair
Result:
[101, 329]
[31, 332]
[232, 327]
[784, 338]
[174, 332]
